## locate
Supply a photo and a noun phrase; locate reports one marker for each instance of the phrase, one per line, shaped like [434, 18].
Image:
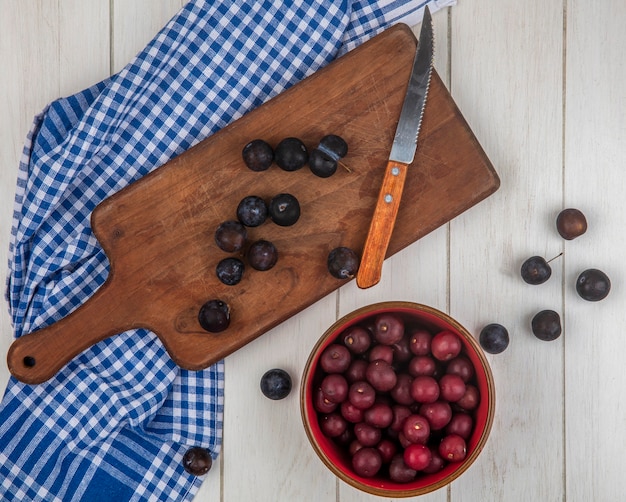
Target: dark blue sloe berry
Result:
[494, 338]
[258, 155]
[252, 211]
[262, 255]
[343, 263]
[321, 164]
[593, 285]
[230, 271]
[291, 154]
[334, 146]
[214, 316]
[546, 325]
[230, 236]
[276, 384]
[284, 209]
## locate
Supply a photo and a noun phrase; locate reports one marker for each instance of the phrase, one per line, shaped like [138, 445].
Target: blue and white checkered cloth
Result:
[115, 423]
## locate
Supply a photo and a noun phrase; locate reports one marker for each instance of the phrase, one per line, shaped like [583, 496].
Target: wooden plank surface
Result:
[510, 61]
[541, 85]
[594, 179]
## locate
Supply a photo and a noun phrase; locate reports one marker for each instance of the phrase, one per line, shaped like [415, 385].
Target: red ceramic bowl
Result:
[336, 458]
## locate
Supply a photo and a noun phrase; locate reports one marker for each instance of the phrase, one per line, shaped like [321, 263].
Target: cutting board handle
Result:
[38, 356]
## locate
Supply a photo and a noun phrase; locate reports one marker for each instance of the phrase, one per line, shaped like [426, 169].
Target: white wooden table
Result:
[543, 86]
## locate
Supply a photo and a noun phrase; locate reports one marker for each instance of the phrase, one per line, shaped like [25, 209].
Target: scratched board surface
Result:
[158, 233]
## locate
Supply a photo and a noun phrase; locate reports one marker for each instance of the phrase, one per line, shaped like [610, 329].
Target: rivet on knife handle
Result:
[381, 225]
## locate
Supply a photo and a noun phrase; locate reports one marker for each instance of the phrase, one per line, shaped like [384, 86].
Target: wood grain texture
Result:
[84, 44]
[134, 24]
[381, 225]
[506, 70]
[506, 76]
[265, 439]
[594, 181]
[158, 232]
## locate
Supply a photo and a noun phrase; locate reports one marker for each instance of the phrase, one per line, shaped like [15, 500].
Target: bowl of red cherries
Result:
[397, 399]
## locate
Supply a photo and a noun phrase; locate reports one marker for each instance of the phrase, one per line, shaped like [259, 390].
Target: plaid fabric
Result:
[115, 422]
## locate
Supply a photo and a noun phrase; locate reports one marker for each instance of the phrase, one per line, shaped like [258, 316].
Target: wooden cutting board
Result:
[158, 233]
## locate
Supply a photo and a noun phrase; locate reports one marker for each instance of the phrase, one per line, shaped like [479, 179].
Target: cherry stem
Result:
[557, 256]
[344, 166]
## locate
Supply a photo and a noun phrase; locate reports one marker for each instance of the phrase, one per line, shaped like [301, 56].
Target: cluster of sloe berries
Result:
[284, 209]
[592, 285]
[231, 237]
[291, 154]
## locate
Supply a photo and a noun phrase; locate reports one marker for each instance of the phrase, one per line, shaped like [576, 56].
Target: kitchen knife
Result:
[402, 154]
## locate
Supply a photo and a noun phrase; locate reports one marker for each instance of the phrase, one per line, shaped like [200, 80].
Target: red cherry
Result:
[417, 456]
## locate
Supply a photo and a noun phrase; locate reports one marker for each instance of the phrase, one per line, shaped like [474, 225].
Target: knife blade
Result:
[402, 154]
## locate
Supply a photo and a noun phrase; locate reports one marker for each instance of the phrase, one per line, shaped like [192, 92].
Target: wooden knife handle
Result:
[381, 226]
[38, 356]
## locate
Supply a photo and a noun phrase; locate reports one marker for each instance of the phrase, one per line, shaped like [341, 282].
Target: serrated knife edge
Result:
[407, 131]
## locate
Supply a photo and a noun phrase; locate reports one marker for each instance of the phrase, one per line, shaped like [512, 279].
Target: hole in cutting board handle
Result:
[29, 361]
